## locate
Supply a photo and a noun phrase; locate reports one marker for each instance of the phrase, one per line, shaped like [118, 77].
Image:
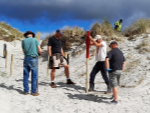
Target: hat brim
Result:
[25, 34]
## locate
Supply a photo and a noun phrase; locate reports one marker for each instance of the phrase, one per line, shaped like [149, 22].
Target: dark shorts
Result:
[114, 78]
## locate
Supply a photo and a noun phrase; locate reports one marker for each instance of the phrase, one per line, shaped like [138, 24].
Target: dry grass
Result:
[141, 80]
[144, 46]
[45, 41]
[13, 32]
[70, 35]
[3, 74]
[138, 27]
[104, 28]
[96, 29]
[131, 65]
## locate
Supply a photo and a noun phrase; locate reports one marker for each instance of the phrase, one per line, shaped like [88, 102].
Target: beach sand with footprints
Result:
[134, 95]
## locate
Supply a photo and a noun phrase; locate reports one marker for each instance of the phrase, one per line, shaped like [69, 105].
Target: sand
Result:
[66, 98]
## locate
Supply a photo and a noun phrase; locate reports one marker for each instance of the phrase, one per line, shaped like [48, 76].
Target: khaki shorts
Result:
[114, 78]
[58, 63]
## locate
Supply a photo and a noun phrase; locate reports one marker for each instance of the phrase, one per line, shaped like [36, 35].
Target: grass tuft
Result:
[138, 27]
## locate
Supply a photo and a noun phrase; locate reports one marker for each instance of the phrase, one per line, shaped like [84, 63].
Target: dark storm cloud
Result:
[57, 10]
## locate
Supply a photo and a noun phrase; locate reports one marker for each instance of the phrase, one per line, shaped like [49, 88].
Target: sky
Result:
[47, 16]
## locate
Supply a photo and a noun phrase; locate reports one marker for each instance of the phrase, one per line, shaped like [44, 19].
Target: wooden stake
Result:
[48, 66]
[6, 53]
[38, 36]
[66, 55]
[37, 82]
[11, 64]
[15, 42]
[87, 74]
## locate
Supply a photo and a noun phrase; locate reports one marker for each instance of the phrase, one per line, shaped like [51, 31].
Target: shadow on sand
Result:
[89, 97]
[11, 88]
[69, 87]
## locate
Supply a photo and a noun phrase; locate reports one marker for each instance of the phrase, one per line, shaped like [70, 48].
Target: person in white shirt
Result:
[101, 52]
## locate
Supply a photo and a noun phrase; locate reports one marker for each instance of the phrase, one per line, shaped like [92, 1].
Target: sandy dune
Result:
[65, 98]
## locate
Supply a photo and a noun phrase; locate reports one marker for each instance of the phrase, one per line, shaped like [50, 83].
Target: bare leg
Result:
[66, 71]
[115, 93]
[53, 74]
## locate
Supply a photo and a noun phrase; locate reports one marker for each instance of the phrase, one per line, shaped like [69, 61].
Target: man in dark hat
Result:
[31, 48]
[118, 25]
[56, 55]
[115, 63]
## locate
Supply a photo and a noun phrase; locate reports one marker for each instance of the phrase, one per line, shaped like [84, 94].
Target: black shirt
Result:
[116, 59]
[55, 45]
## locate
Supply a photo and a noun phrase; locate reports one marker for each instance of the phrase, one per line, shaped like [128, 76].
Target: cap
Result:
[98, 37]
[58, 31]
[113, 42]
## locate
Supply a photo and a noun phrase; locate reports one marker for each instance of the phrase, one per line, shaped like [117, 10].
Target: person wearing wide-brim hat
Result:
[29, 32]
[31, 48]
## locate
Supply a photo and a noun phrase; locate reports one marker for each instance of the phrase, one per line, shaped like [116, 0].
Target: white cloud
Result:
[44, 35]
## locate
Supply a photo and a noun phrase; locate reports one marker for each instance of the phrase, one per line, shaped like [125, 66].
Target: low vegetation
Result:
[138, 27]
[8, 33]
[104, 28]
[144, 46]
[70, 35]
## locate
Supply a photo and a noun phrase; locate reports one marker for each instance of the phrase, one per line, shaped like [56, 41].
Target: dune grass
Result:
[8, 33]
[138, 27]
[103, 28]
[70, 35]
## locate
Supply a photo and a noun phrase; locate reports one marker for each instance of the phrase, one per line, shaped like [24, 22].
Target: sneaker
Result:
[91, 87]
[25, 93]
[108, 90]
[70, 82]
[114, 102]
[52, 85]
[34, 94]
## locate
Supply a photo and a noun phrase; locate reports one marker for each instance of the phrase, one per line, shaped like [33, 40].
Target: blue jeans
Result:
[30, 64]
[99, 66]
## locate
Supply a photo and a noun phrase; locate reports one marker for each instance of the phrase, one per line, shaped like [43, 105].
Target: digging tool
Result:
[87, 59]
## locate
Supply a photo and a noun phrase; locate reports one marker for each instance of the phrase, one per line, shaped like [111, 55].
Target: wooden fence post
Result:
[6, 54]
[15, 41]
[4, 50]
[66, 55]
[48, 66]
[11, 64]
[38, 37]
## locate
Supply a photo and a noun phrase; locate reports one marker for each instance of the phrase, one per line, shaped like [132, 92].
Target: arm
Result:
[39, 49]
[49, 51]
[107, 63]
[22, 46]
[95, 43]
[123, 66]
[23, 50]
[62, 52]
[92, 44]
